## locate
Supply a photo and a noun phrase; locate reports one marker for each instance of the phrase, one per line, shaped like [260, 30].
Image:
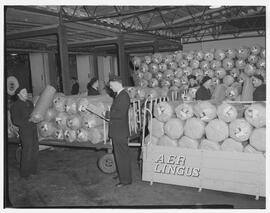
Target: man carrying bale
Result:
[119, 131]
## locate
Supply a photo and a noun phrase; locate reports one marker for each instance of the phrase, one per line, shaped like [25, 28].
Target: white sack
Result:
[154, 140]
[184, 111]
[157, 128]
[209, 145]
[174, 128]
[231, 145]
[166, 141]
[187, 142]
[194, 128]
[258, 139]
[205, 110]
[163, 111]
[226, 112]
[255, 114]
[240, 129]
[217, 130]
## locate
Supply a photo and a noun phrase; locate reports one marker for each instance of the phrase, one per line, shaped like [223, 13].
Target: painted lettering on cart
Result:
[174, 165]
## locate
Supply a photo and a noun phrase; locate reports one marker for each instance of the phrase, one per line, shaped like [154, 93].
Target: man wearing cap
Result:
[259, 93]
[92, 87]
[203, 93]
[20, 115]
[119, 131]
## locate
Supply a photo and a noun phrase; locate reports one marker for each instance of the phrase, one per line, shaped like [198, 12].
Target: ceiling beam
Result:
[187, 18]
[94, 42]
[34, 32]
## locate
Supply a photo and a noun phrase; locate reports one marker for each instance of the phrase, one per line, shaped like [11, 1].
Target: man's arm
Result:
[119, 111]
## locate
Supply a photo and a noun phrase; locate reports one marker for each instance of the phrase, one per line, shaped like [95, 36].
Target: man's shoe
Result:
[122, 184]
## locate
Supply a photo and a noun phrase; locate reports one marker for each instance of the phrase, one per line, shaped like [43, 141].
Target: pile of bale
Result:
[205, 125]
[67, 118]
[231, 71]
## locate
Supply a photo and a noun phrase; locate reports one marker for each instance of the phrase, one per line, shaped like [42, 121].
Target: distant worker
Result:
[20, 115]
[75, 86]
[92, 87]
[259, 93]
[203, 93]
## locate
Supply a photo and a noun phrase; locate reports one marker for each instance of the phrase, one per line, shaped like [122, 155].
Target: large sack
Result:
[50, 114]
[61, 120]
[97, 104]
[258, 139]
[90, 121]
[59, 101]
[184, 111]
[226, 112]
[154, 140]
[157, 129]
[166, 141]
[255, 114]
[43, 104]
[71, 104]
[174, 128]
[231, 145]
[82, 135]
[70, 135]
[74, 122]
[163, 111]
[217, 130]
[96, 135]
[194, 128]
[209, 145]
[46, 129]
[250, 149]
[59, 134]
[205, 110]
[187, 142]
[240, 129]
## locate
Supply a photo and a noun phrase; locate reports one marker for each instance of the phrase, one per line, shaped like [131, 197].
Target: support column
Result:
[52, 69]
[95, 65]
[122, 61]
[64, 62]
[156, 46]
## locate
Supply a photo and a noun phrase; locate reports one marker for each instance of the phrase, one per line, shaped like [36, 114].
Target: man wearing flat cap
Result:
[259, 93]
[119, 131]
[92, 87]
[203, 93]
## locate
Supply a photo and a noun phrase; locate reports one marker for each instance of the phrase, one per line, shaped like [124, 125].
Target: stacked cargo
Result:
[230, 70]
[205, 125]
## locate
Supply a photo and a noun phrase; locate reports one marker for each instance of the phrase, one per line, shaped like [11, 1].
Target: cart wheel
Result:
[107, 164]
[18, 154]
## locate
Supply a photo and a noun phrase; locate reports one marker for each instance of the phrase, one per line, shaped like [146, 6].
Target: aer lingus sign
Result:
[174, 165]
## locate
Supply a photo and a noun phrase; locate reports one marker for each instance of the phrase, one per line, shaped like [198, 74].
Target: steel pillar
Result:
[122, 62]
[64, 62]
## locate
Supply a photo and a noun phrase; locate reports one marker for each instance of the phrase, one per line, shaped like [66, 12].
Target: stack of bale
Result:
[209, 126]
[231, 71]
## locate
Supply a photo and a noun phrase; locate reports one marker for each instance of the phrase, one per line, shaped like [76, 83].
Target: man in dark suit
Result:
[119, 131]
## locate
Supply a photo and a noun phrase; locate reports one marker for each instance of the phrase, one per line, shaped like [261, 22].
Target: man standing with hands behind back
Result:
[119, 131]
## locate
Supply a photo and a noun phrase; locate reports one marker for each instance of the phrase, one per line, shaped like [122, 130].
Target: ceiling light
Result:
[13, 54]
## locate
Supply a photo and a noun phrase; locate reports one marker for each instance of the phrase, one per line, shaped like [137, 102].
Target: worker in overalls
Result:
[20, 115]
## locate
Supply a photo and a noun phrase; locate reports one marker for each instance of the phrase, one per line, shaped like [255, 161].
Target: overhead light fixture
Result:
[13, 54]
[215, 6]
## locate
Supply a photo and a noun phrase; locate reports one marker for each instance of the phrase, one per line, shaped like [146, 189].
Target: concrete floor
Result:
[70, 178]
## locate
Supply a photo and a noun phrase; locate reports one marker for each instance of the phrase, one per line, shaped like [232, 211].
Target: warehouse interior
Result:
[47, 44]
